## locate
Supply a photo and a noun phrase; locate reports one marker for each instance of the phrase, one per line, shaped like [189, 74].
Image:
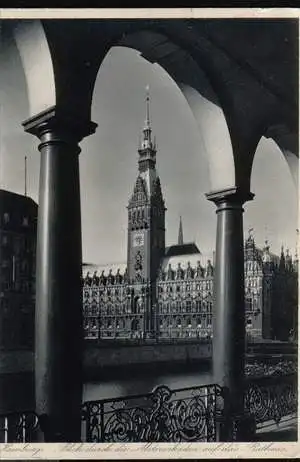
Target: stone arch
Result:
[218, 148]
[276, 191]
[199, 92]
[288, 143]
[31, 42]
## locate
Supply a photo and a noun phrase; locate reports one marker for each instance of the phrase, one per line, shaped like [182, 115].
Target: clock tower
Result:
[146, 220]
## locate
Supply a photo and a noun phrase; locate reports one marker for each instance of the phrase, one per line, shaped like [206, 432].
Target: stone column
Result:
[229, 309]
[59, 327]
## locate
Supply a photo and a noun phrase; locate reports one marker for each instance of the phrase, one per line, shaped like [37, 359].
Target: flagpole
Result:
[25, 175]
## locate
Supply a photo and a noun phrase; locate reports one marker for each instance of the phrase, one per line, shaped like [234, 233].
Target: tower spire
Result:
[147, 141]
[282, 259]
[180, 232]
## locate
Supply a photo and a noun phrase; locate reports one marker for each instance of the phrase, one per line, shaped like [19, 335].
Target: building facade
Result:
[167, 292]
[18, 223]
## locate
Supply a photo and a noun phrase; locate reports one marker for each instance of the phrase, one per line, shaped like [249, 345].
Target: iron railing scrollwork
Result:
[187, 414]
[269, 399]
[19, 427]
[191, 414]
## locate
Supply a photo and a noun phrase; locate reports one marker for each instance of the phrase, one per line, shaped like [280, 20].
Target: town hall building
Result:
[167, 292]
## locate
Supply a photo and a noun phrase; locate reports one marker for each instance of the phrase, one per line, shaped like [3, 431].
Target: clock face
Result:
[138, 239]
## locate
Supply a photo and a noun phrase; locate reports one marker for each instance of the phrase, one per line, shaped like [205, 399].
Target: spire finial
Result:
[147, 106]
[180, 232]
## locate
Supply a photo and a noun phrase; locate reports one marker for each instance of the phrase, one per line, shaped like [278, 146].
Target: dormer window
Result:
[6, 217]
[25, 221]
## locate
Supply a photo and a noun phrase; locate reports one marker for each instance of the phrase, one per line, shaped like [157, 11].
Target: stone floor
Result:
[287, 434]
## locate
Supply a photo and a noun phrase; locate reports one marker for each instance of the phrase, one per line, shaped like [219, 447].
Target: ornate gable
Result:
[139, 193]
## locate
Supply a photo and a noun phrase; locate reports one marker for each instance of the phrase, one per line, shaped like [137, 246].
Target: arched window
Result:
[249, 304]
[134, 325]
[198, 306]
[94, 310]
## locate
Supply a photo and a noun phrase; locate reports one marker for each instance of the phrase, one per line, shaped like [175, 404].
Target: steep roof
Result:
[182, 249]
[11, 200]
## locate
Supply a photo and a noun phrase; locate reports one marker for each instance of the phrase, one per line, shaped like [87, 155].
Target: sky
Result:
[108, 161]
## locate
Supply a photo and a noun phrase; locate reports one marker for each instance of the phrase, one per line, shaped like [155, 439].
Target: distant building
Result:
[167, 292]
[18, 222]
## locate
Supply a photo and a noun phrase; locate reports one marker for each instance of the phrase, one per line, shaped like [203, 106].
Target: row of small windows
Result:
[187, 306]
[139, 196]
[106, 300]
[6, 219]
[141, 214]
[179, 323]
[23, 266]
[189, 322]
[185, 287]
[189, 273]
[106, 297]
[252, 282]
[18, 246]
[24, 286]
[94, 310]
[95, 293]
[137, 215]
[137, 306]
[111, 324]
[251, 304]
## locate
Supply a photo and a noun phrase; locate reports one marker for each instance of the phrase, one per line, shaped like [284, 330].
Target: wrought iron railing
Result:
[270, 399]
[18, 427]
[187, 414]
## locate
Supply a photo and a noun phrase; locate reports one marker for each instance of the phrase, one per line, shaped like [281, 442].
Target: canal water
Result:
[140, 384]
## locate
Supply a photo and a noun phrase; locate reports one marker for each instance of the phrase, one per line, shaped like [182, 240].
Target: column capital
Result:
[234, 196]
[56, 120]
